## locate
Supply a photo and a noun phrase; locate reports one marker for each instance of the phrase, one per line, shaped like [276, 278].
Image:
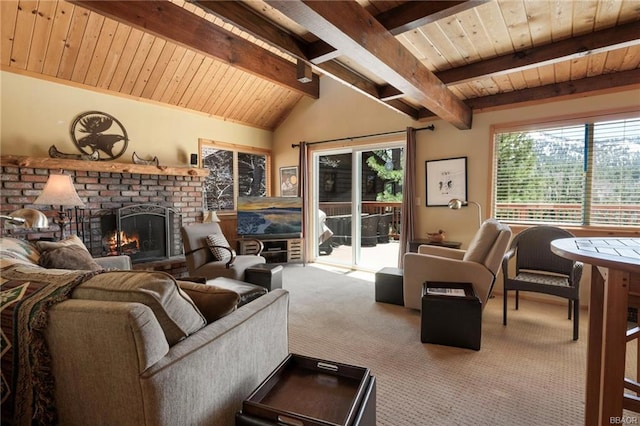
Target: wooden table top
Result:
[612, 252]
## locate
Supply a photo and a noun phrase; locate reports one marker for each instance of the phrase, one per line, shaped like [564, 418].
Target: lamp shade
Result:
[456, 203]
[59, 191]
[27, 218]
[210, 216]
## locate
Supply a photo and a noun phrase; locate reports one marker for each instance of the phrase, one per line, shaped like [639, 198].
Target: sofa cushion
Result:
[68, 257]
[213, 302]
[216, 240]
[15, 251]
[175, 311]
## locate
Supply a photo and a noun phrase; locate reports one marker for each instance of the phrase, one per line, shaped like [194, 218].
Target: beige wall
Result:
[342, 112]
[36, 114]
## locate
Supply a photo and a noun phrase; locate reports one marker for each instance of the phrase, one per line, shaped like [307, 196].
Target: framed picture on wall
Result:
[289, 181]
[446, 179]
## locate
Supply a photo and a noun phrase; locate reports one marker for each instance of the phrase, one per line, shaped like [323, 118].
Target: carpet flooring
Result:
[528, 373]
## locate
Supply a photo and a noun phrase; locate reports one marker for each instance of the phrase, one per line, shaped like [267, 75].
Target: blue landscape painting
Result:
[259, 216]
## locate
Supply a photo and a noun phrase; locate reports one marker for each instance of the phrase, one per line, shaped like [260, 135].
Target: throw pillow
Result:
[72, 240]
[68, 257]
[175, 311]
[213, 302]
[216, 240]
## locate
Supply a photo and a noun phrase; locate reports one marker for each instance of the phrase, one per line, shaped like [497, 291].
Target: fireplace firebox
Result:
[144, 232]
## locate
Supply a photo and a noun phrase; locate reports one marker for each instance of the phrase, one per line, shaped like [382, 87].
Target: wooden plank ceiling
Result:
[250, 62]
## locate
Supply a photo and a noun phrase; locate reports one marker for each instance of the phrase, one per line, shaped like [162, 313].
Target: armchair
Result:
[478, 265]
[539, 270]
[202, 263]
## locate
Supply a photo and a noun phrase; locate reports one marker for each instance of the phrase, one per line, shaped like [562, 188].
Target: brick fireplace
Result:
[108, 186]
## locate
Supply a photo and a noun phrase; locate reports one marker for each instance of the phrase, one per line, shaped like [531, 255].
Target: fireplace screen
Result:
[144, 232]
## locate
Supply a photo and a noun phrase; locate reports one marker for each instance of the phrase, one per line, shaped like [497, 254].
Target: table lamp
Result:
[59, 191]
[455, 204]
[26, 218]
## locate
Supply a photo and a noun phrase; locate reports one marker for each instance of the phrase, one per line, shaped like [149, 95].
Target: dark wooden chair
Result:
[539, 270]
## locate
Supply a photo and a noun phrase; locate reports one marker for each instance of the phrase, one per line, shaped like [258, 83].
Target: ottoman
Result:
[389, 286]
[267, 275]
[451, 315]
[247, 292]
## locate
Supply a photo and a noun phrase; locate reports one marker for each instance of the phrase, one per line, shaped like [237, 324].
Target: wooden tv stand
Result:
[276, 250]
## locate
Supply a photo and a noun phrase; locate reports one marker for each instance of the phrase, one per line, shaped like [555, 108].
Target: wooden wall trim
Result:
[98, 166]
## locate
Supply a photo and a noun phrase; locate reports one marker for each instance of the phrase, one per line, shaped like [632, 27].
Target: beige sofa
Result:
[112, 361]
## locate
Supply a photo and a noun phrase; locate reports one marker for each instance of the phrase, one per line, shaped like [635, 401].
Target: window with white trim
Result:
[577, 174]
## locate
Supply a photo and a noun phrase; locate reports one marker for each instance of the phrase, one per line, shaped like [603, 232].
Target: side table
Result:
[267, 275]
[450, 319]
[414, 244]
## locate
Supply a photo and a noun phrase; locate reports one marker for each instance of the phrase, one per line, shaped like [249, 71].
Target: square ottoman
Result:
[267, 275]
[448, 318]
[389, 286]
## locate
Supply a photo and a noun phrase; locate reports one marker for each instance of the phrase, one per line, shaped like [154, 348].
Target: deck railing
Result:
[568, 213]
[368, 207]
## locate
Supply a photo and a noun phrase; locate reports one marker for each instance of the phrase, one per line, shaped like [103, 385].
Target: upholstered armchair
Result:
[200, 240]
[478, 265]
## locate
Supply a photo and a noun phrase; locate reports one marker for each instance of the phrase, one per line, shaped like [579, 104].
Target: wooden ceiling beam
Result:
[398, 20]
[357, 34]
[171, 22]
[256, 25]
[617, 80]
[565, 50]
[575, 87]
[414, 14]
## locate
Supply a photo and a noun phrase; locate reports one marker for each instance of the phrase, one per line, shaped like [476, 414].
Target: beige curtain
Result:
[407, 230]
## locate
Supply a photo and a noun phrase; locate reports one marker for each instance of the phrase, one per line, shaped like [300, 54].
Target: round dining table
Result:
[615, 282]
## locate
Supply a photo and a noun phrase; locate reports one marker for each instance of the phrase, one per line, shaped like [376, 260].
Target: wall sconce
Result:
[59, 191]
[455, 204]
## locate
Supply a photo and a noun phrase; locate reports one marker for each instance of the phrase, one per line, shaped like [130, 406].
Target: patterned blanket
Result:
[27, 383]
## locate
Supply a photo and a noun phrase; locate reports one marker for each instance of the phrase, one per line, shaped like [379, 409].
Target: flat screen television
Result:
[270, 217]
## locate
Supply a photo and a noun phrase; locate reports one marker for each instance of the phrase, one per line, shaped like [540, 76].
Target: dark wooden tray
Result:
[309, 391]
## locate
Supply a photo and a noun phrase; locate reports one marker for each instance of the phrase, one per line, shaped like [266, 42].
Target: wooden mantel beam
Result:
[174, 23]
[98, 166]
[349, 28]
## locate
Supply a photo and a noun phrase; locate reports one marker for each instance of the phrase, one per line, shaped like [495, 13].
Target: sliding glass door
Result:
[358, 193]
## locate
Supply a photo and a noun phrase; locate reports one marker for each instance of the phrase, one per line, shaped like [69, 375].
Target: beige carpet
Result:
[528, 373]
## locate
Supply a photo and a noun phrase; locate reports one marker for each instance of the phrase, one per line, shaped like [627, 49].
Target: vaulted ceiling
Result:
[252, 61]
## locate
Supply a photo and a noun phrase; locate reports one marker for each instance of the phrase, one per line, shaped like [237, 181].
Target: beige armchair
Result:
[478, 265]
[201, 261]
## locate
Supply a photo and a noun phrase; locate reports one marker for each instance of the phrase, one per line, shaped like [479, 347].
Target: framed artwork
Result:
[446, 179]
[227, 165]
[289, 181]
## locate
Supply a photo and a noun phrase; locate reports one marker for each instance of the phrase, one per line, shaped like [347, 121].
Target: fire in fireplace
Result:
[144, 232]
